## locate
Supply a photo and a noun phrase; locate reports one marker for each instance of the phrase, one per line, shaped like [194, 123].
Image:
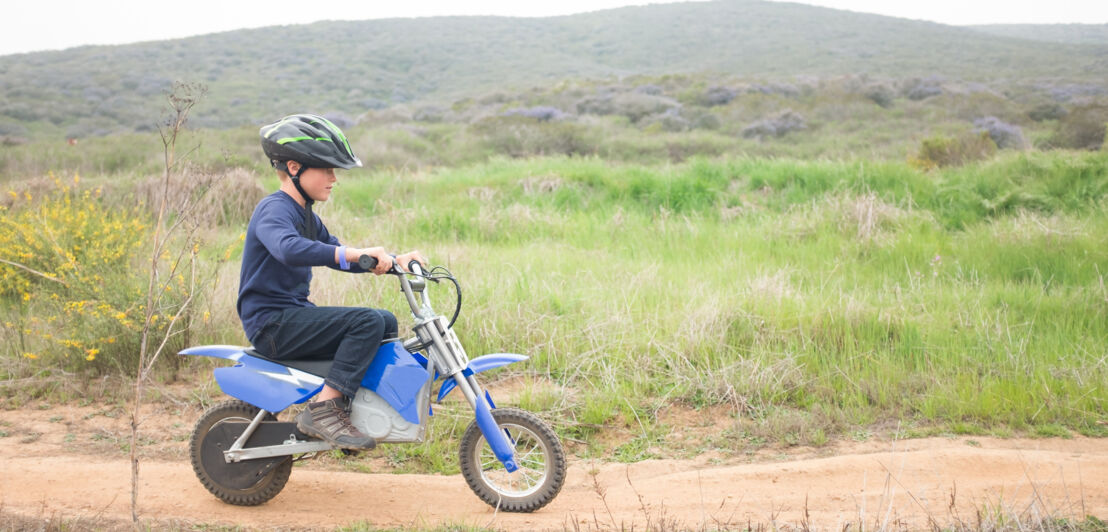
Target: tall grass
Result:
[848, 294]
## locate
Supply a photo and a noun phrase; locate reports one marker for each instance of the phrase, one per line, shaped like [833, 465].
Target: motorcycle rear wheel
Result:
[539, 454]
[246, 483]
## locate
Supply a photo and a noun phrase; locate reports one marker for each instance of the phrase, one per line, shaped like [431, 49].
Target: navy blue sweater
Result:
[277, 261]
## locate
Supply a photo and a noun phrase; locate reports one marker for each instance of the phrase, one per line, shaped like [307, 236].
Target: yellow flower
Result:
[91, 354]
[13, 194]
[26, 296]
[30, 355]
[27, 194]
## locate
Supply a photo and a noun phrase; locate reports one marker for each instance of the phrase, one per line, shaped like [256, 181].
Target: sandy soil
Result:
[68, 462]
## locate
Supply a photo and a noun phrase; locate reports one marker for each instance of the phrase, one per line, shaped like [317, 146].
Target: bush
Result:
[944, 151]
[82, 309]
[1005, 135]
[717, 96]
[540, 113]
[785, 122]
[880, 94]
[523, 137]
[670, 120]
[920, 89]
[1047, 111]
[634, 106]
[1082, 129]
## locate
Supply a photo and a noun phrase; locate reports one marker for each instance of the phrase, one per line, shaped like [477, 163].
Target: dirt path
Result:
[46, 472]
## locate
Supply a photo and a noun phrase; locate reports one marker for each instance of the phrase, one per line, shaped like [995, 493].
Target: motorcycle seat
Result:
[313, 366]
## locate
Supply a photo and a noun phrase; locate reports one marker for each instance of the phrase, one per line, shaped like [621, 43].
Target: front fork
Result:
[447, 353]
[498, 440]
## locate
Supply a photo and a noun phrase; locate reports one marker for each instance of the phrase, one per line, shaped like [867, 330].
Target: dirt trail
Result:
[47, 472]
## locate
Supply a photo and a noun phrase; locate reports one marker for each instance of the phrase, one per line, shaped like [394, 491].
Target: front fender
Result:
[479, 364]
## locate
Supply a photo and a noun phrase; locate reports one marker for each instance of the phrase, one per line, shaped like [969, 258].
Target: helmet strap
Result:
[309, 218]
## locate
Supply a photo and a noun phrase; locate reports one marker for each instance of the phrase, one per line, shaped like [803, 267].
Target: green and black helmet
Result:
[310, 140]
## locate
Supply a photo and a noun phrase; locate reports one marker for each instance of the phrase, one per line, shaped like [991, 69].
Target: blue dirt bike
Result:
[243, 454]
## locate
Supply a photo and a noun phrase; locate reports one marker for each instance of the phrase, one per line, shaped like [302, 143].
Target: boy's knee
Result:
[391, 326]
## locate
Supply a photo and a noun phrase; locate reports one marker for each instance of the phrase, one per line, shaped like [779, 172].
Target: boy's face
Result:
[316, 182]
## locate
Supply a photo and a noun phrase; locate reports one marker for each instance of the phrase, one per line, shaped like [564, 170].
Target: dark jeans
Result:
[348, 335]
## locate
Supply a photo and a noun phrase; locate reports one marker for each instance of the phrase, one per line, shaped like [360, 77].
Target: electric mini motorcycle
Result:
[243, 454]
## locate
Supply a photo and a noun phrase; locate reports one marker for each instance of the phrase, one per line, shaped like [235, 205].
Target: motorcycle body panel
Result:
[394, 375]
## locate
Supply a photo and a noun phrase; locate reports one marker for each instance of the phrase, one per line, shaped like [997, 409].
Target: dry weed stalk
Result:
[182, 99]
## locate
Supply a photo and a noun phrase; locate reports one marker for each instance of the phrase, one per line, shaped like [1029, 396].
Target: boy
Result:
[283, 242]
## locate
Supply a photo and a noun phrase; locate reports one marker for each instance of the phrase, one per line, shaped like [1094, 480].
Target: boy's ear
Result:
[291, 167]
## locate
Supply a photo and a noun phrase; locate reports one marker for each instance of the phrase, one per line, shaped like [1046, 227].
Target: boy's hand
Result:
[384, 260]
[408, 257]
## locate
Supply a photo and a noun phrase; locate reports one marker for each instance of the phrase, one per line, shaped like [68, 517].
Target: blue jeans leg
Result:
[348, 335]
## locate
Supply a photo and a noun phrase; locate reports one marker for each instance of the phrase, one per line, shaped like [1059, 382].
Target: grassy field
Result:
[805, 301]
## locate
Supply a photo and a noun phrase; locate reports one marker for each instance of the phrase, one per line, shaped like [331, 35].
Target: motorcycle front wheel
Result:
[538, 453]
[246, 483]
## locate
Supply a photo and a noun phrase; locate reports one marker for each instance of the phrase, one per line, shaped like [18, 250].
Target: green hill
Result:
[1057, 33]
[350, 67]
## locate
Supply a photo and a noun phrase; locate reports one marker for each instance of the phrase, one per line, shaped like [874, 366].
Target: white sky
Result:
[56, 24]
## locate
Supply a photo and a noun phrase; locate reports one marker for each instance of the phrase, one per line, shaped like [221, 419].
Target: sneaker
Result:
[328, 421]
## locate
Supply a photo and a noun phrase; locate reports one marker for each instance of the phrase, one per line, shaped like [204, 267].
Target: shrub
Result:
[517, 136]
[781, 89]
[945, 151]
[85, 294]
[670, 120]
[540, 113]
[920, 89]
[429, 113]
[880, 94]
[1005, 135]
[1082, 129]
[634, 106]
[1047, 111]
[707, 121]
[785, 122]
[717, 96]
[650, 89]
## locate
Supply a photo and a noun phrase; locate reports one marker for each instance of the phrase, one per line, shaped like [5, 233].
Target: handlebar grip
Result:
[367, 262]
[413, 265]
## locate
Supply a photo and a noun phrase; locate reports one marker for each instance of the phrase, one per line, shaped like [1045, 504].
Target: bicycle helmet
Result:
[310, 140]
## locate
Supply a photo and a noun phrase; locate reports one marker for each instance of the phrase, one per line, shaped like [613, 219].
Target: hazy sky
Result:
[56, 24]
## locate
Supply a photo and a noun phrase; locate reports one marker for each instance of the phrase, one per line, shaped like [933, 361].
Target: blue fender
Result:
[479, 364]
[264, 384]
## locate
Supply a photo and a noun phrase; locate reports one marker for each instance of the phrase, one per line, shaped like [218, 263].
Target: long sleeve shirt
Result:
[277, 260]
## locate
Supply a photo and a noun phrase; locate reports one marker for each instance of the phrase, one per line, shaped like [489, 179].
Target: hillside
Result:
[350, 67]
[1096, 34]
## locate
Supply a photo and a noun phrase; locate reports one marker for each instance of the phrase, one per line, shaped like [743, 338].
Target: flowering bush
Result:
[1005, 135]
[72, 279]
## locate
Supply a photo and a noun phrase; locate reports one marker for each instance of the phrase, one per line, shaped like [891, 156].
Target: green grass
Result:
[808, 301]
[851, 293]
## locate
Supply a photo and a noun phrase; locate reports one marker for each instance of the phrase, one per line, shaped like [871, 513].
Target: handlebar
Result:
[368, 263]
